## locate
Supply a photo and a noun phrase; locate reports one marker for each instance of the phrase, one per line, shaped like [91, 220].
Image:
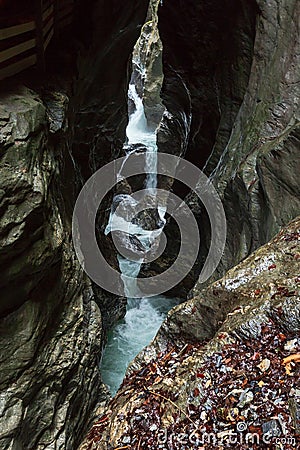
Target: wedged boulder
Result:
[149, 219]
[128, 245]
[224, 367]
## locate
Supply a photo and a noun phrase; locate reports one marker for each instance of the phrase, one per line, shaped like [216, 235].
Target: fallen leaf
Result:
[282, 336]
[255, 356]
[245, 382]
[233, 414]
[200, 375]
[294, 358]
[196, 392]
[288, 369]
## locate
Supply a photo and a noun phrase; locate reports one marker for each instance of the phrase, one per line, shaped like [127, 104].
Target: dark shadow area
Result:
[209, 45]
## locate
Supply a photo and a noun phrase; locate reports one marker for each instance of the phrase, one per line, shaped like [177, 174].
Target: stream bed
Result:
[144, 315]
[141, 323]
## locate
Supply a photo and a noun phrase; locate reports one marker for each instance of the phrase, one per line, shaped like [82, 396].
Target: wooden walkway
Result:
[24, 44]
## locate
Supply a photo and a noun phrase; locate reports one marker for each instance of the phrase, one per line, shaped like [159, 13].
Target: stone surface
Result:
[52, 139]
[232, 97]
[147, 67]
[51, 327]
[202, 373]
[257, 173]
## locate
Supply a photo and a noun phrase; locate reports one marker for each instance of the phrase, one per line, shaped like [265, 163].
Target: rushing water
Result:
[144, 315]
[137, 132]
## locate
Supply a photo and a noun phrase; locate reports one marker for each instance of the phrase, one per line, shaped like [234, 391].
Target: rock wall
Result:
[101, 115]
[53, 136]
[257, 171]
[231, 68]
[147, 67]
[208, 46]
[51, 328]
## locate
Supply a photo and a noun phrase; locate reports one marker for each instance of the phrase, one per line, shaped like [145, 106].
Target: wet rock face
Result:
[101, 118]
[101, 104]
[207, 46]
[147, 67]
[258, 197]
[51, 326]
[207, 57]
[229, 356]
[236, 62]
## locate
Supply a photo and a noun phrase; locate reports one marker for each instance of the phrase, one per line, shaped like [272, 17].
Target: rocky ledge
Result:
[223, 368]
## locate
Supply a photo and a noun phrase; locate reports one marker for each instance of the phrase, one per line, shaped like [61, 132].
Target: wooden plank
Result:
[16, 50]
[17, 67]
[48, 26]
[6, 33]
[50, 35]
[48, 12]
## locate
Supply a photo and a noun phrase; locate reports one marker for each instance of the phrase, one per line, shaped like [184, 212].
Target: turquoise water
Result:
[131, 335]
[144, 315]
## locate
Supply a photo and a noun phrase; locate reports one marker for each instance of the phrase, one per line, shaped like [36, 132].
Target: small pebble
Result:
[264, 365]
[203, 415]
[291, 345]
[245, 397]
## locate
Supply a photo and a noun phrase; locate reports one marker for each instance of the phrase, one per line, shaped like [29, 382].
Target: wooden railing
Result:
[24, 44]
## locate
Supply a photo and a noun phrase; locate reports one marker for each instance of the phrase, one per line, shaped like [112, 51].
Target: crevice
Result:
[212, 51]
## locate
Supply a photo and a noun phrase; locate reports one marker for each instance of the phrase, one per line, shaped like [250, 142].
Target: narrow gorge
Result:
[196, 101]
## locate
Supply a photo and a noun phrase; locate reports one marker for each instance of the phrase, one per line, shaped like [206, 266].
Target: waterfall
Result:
[138, 132]
[137, 127]
[144, 315]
